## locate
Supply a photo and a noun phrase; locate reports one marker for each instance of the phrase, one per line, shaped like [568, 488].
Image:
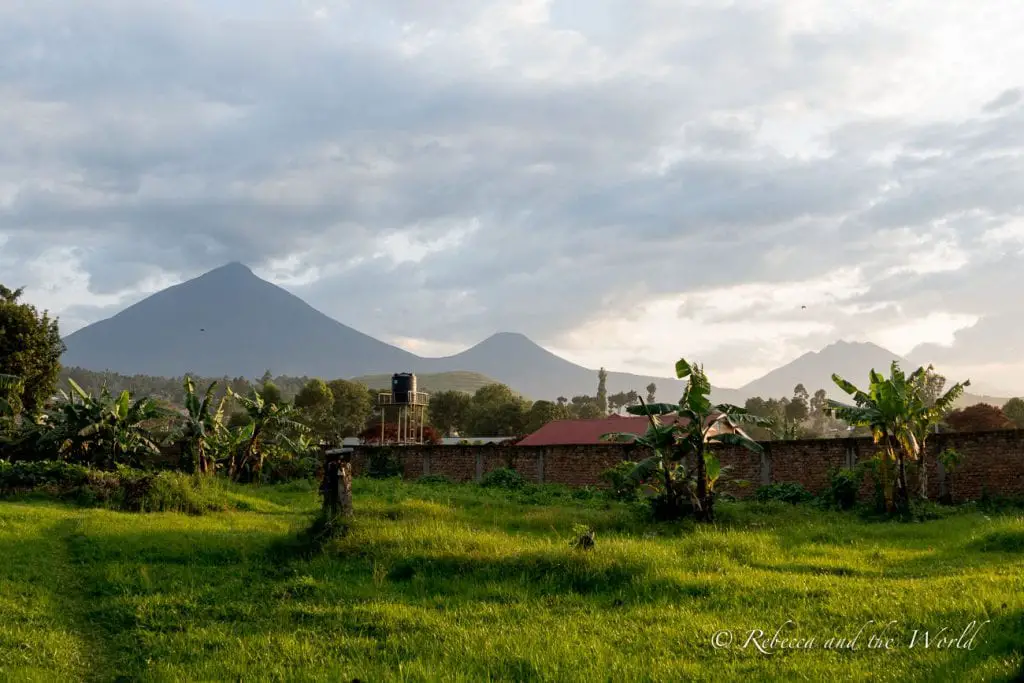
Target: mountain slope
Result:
[529, 368]
[850, 360]
[228, 321]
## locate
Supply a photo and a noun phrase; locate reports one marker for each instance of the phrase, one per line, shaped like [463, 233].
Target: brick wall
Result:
[993, 461]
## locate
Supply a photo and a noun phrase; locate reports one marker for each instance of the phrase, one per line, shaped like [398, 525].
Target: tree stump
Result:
[336, 487]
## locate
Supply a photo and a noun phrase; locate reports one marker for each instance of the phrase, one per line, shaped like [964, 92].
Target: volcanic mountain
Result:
[231, 322]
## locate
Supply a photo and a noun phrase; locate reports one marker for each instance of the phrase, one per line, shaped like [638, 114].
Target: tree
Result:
[496, 410]
[883, 408]
[691, 436]
[797, 410]
[10, 387]
[1014, 410]
[900, 411]
[449, 411]
[928, 407]
[30, 348]
[543, 412]
[270, 392]
[353, 406]
[818, 404]
[602, 391]
[315, 403]
[652, 388]
[585, 408]
[201, 426]
[981, 417]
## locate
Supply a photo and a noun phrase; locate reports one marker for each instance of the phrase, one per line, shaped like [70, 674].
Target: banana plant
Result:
[202, 424]
[702, 424]
[926, 414]
[265, 418]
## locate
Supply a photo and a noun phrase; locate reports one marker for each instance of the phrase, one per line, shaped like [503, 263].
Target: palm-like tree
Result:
[265, 418]
[102, 430]
[705, 423]
[926, 413]
[202, 424]
[895, 410]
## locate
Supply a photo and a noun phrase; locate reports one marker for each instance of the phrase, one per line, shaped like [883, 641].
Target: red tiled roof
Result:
[586, 432]
[582, 432]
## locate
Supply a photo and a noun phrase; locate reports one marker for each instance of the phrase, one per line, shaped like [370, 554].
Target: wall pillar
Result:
[479, 466]
[540, 467]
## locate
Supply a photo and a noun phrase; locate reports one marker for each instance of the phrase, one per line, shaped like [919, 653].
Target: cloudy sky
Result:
[625, 181]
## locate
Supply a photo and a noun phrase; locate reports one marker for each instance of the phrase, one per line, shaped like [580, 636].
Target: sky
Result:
[624, 181]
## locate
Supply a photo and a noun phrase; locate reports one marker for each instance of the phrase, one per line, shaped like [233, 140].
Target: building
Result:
[589, 432]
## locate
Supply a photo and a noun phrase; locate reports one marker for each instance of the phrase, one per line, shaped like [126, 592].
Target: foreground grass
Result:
[462, 584]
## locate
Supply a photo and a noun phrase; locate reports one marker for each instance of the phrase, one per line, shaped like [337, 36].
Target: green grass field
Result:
[458, 583]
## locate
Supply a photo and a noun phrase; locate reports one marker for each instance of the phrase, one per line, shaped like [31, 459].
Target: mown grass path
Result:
[455, 583]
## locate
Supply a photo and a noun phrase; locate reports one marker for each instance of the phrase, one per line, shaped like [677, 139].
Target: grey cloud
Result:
[178, 139]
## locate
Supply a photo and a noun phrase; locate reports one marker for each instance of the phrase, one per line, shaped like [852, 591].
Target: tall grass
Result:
[462, 583]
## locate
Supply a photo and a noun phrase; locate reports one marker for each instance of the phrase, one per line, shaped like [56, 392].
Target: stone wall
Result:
[993, 462]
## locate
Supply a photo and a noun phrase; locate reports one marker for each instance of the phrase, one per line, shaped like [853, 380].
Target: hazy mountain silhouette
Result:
[229, 322]
[850, 360]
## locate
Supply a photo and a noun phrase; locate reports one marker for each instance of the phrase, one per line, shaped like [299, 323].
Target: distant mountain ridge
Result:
[230, 322]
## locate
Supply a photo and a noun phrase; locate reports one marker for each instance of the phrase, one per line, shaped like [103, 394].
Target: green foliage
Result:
[703, 424]
[602, 391]
[353, 407]
[621, 483]
[1014, 410]
[434, 479]
[787, 492]
[843, 488]
[30, 349]
[449, 411]
[123, 489]
[383, 463]
[900, 411]
[503, 478]
[497, 411]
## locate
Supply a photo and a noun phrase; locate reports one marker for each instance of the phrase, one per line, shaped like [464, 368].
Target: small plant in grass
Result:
[503, 478]
[583, 537]
[950, 459]
[787, 492]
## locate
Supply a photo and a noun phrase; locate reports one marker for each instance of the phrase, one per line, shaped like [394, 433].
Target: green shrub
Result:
[620, 485]
[434, 479]
[503, 478]
[787, 492]
[843, 488]
[383, 463]
[124, 489]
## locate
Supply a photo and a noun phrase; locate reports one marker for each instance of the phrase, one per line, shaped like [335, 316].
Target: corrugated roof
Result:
[588, 432]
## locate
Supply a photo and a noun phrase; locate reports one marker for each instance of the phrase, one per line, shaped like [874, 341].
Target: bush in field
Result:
[123, 489]
[785, 493]
[621, 485]
[843, 487]
[503, 478]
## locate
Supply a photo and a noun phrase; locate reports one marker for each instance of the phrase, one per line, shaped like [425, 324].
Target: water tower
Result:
[410, 406]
